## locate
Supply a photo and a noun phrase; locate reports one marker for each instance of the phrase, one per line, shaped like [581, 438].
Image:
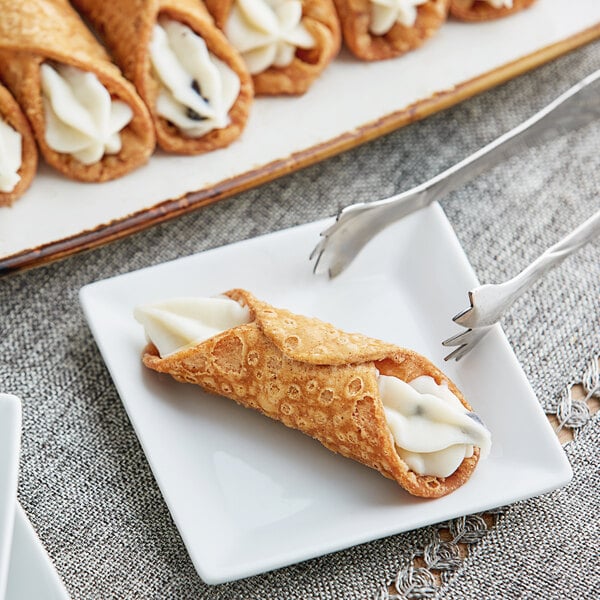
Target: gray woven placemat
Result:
[85, 482]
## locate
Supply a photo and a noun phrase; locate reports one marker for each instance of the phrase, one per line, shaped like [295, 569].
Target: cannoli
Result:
[88, 121]
[381, 29]
[485, 10]
[193, 81]
[18, 154]
[384, 406]
[286, 44]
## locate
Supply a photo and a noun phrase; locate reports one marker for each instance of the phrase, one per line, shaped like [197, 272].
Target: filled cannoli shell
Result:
[355, 18]
[11, 113]
[126, 28]
[35, 31]
[479, 10]
[320, 19]
[315, 378]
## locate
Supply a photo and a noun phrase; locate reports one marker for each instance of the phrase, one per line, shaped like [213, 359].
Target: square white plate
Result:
[249, 495]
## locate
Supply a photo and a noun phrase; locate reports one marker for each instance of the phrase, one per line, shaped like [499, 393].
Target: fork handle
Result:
[576, 107]
[552, 257]
[490, 301]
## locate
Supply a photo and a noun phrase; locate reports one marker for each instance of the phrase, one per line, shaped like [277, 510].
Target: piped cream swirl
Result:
[500, 3]
[386, 13]
[181, 323]
[267, 32]
[198, 89]
[432, 430]
[82, 119]
[10, 157]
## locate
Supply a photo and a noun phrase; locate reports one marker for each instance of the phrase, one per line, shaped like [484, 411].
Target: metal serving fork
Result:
[358, 223]
[490, 301]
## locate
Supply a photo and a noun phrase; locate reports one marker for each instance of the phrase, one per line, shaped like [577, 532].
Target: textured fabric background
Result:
[85, 482]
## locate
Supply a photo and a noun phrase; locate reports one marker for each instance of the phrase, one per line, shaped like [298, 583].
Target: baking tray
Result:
[351, 103]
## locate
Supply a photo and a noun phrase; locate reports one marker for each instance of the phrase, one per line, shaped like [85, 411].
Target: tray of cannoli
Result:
[286, 416]
[115, 116]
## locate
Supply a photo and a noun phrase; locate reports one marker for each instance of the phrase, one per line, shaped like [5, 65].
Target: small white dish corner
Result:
[26, 571]
[10, 443]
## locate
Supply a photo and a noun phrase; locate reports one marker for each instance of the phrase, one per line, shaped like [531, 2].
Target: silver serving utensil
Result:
[489, 302]
[358, 223]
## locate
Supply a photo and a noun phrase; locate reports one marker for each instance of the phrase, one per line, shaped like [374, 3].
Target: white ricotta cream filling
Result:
[82, 120]
[432, 430]
[267, 32]
[10, 157]
[197, 89]
[181, 323]
[386, 13]
[500, 3]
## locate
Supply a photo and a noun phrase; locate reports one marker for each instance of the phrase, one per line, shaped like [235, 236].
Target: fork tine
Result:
[459, 339]
[342, 216]
[336, 268]
[320, 269]
[462, 316]
[325, 233]
[325, 263]
[457, 318]
[469, 339]
[317, 249]
[316, 269]
[458, 353]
